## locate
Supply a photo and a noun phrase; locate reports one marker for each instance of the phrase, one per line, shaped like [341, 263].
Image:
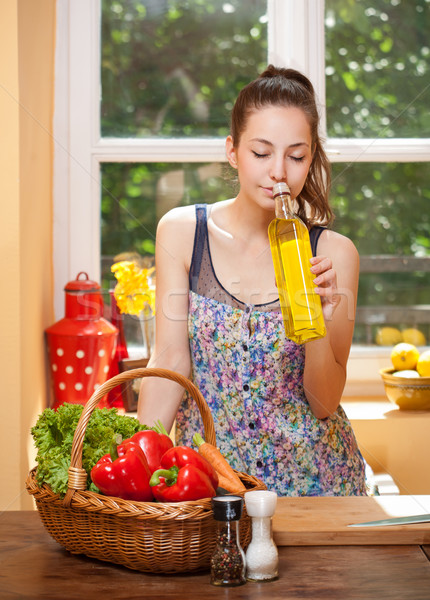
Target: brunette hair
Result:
[290, 88]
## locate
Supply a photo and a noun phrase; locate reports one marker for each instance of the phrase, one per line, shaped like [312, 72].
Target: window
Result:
[144, 89]
[170, 72]
[87, 155]
[377, 93]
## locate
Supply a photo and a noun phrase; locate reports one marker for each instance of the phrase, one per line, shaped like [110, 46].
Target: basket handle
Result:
[78, 475]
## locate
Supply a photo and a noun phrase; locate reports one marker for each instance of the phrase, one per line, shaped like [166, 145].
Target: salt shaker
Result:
[262, 553]
[228, 559]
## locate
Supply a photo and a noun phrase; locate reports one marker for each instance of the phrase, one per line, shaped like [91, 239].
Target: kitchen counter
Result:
[392, 441]
[319, 557]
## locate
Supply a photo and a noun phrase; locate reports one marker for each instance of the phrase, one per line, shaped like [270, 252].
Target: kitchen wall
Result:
[27, 42]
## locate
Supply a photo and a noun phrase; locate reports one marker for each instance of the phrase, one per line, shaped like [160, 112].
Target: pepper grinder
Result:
[228, 559]
[262, 553]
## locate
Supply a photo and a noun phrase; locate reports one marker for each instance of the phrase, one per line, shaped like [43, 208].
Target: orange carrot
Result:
[228, 479]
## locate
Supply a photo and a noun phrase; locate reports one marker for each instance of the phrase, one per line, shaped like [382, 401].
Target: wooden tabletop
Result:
[33, 565]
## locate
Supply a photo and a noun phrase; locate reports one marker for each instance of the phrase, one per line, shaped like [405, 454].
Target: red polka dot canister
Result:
[81, 346]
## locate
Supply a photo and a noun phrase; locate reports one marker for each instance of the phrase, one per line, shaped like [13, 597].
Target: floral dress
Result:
[251, 376]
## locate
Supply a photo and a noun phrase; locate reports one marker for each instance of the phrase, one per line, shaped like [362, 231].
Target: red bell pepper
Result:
[183, 455]
[124, 473]
[181, 485]
[184, 476]
[154, 443]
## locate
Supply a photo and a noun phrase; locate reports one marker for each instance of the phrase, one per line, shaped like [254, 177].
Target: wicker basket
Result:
[146, 536]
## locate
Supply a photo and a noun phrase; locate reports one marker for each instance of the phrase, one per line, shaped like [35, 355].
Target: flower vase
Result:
[115, 397]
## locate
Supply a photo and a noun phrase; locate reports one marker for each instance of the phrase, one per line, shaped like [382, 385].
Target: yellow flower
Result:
[135, 288]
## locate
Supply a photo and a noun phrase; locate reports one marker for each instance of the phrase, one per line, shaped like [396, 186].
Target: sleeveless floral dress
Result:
[251, 376]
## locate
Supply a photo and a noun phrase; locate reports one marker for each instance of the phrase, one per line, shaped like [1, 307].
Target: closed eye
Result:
[298, 158]
[259, 155]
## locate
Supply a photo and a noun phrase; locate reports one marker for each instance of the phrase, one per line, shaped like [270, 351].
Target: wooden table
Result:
[33, 565]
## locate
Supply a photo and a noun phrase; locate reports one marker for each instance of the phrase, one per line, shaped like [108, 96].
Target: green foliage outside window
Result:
[377, 68]
[173, 68]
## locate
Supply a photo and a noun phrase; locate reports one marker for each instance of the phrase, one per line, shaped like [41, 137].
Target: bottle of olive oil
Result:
[291, 253]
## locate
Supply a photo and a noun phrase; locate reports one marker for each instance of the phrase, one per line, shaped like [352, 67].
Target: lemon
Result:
[404, 356]
[388, 336]
[414, 336]
[408, 373]
[423, 364]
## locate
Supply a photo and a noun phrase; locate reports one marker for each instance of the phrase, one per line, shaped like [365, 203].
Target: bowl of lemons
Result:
[407, 383]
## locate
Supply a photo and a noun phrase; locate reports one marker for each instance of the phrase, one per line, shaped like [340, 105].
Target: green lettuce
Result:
[53, 438]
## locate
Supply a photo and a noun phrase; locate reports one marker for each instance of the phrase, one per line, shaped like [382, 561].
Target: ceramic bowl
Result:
[407, 393]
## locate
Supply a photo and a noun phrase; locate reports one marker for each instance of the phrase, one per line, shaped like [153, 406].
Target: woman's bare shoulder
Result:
[332, 243]
[182, 215]
[179, 223]
[175, 234]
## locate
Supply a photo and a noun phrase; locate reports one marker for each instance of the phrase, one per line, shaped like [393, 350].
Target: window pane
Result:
[384, 209]
[136, 196]
[377, 68]
[173, 68]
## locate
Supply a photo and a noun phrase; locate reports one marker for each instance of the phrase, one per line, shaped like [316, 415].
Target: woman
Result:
[275, 404]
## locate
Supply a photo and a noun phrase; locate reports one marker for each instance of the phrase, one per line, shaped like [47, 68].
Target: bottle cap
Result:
[227, 508]
[280, 188]
[260, 503]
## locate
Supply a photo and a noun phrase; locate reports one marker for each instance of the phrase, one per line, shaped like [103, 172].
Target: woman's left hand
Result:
[326, 282]
[335, 270]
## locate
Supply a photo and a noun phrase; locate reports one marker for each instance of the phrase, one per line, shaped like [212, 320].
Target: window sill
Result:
[368, 407]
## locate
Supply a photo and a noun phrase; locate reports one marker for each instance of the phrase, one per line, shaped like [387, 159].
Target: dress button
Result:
[252, 425]
[245, 387]
[245, 347]
[259, 464]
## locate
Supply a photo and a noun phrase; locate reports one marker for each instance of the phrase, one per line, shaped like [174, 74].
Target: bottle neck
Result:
[283, 207]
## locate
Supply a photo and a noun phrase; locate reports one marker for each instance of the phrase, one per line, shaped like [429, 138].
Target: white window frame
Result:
[79, 150]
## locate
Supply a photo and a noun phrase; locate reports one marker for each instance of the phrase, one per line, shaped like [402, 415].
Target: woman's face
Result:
[276, 145]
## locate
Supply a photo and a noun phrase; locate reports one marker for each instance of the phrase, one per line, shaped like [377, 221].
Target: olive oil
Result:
[291, 253]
